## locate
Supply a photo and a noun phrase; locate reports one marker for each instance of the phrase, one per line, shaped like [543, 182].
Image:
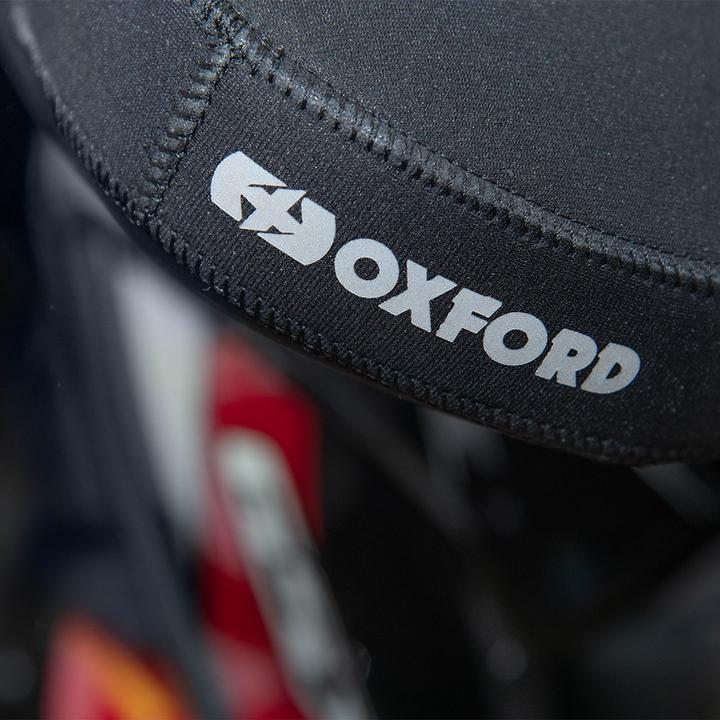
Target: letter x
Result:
[416, 298]
[271, 209]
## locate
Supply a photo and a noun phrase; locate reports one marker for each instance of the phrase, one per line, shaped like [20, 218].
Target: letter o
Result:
[381, 255]
[494, 338]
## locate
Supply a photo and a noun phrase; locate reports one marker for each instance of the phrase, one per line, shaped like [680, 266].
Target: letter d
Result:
[616, 368]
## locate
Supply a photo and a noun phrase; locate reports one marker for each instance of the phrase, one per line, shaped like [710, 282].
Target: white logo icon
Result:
[306, 241]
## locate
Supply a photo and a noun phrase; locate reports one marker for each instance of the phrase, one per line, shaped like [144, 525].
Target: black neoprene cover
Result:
[560, 158]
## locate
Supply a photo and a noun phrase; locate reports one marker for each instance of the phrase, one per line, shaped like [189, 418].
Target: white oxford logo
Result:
[310, 239]
[237, 177]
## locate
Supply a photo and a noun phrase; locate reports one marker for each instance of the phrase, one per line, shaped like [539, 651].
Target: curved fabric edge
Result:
[680, 290]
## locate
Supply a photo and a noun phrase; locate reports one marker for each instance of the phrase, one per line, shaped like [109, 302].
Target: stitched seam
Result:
[188, 112]
[312, 94]
[232, 9]
[316, 343]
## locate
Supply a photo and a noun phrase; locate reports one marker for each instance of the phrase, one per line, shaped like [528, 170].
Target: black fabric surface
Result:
[225, 87]
[96, 57]
[605, 112]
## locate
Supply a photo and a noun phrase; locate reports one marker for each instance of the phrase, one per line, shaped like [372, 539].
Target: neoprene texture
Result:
[604, 112]
[563, 161]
